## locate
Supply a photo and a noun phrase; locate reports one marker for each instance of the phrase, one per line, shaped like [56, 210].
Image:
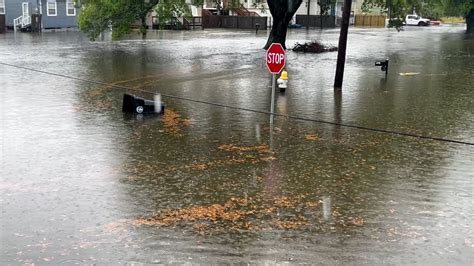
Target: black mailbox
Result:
[383, 66]
[134, 104]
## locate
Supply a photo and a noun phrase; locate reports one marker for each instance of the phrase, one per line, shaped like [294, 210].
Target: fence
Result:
[369, 21]
[196, 22]
[315, 21]
[2, 24]
[234, 22]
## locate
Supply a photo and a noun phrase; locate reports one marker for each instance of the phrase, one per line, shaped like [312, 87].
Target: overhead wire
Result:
[378, 130]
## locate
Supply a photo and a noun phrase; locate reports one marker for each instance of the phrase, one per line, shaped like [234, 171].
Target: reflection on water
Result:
[83, 183]
[326, 208]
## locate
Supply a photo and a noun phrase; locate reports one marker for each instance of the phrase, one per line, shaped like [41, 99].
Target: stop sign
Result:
[276, 58]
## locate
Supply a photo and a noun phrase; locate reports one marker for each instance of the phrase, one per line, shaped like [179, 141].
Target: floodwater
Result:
[82, 183]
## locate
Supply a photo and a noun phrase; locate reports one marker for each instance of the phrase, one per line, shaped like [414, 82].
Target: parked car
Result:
[415, 20]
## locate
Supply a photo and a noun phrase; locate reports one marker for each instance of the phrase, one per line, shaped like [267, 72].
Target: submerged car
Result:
[415, 20]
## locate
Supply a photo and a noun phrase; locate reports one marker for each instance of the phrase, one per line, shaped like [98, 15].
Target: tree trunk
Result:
[282, 11]
[470, 22]
[278, 33]
[143, 28]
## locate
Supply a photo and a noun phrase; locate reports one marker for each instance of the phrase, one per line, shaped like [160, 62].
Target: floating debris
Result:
[311, 137]
[291, 224]
[313, 47]
[282, 213]
[173, 122]
[239, 155]
[232, 147]
[234, 155]
[228, 212]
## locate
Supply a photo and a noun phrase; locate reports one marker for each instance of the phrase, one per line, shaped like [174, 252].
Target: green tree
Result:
[463, 8]
[398, 9]
[98, 15]
[169, 9]
[325, 6]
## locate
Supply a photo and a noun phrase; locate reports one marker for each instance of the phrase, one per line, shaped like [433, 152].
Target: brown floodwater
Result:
[82, 183]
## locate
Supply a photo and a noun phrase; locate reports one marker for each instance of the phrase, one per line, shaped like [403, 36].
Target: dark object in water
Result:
[383, 66]
[313, 47]
[134, 104]
[295, 26]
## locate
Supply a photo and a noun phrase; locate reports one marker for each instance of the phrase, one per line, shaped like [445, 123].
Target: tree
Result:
[324, 7]
[397, 9]
[470, 21]
[463, 8]
[259, 4]
[282, 12]
[98, 15]
[169, 9]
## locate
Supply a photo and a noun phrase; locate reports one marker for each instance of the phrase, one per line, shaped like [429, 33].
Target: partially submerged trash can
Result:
[138, 105]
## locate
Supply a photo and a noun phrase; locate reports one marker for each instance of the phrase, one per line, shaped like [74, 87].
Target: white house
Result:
[313, 8]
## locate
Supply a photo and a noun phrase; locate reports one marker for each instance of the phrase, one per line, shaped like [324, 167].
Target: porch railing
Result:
[21, 21]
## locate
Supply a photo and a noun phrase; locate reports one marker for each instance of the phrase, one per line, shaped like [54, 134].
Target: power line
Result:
[245, 109]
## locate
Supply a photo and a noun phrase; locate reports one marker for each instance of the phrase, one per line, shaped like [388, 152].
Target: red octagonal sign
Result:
[276, 58]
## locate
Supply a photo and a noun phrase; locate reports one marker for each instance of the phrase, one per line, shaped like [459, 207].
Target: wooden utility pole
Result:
[341, 55]
[307, 17]
[321, 13]
[389, 7]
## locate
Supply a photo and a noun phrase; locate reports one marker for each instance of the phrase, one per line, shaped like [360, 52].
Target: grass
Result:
[452, 20]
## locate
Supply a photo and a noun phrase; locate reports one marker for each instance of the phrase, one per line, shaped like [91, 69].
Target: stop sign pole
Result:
[276, 60]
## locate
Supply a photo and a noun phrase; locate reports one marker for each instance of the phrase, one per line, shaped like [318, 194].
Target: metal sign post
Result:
[276, 60]
[272, 102]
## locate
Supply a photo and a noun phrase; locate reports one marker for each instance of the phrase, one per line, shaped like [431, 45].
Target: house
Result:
[56, 14]
[242, 14]
[2, 16]
[335, 10]
[192, 21]
[340, 7]
[244, 8]
[313, 8]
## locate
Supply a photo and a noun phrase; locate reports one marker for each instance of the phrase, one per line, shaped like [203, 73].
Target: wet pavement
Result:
[82, 183]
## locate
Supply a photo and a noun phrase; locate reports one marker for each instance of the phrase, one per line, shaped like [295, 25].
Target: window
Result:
[52, 8]
[2, 6]
[70, 9]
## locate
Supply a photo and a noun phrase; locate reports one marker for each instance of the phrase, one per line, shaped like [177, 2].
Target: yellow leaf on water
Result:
[269, 158]
[311, 137]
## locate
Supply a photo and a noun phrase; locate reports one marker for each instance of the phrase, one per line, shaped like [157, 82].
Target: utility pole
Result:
[341, 54]
[389, 11]
[321, 13]
[307, 17]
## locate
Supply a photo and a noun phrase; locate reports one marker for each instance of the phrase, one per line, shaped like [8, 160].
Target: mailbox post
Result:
[383, 66]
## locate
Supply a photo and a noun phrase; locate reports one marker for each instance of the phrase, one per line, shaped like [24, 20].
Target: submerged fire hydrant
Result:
[283, 81]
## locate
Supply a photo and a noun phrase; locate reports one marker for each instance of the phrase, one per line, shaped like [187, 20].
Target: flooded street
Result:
[83, 183]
